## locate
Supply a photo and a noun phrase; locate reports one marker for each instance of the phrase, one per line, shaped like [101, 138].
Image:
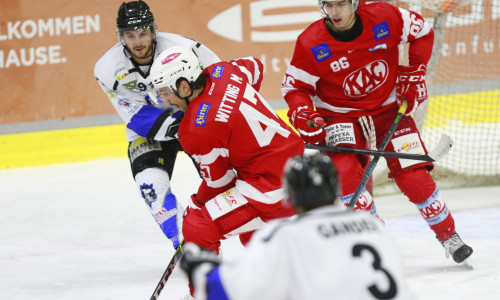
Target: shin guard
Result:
[421, 189]
[365, 202]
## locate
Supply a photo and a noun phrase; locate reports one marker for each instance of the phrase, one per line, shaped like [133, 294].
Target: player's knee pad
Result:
[147, 153]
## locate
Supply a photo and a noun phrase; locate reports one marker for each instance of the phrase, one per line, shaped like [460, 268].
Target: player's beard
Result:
[148, 54]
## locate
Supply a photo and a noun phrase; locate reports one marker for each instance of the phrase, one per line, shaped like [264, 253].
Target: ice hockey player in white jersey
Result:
[123, 74]
[326, 252]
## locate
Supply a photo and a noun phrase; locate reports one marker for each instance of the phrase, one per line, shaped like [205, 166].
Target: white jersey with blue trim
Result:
[128, 87]
[326, 253]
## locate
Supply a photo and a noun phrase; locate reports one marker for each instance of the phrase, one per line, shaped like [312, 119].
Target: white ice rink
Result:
[81, 231]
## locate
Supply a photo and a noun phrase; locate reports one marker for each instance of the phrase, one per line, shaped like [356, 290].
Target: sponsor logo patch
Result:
[408, 143]
[164, 215]
[228, 196]
[124, 102]
[148, 193]
[201, 116]
[321, 52]
[217, 72]
[340, 133]
[120, 77]
[170, 58]
[379, 47]
[381, 31]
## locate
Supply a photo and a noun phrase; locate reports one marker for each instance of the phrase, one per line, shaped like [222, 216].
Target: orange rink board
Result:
[48, 48]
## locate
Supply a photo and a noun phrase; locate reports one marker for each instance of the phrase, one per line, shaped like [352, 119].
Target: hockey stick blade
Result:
[170, 268]
[442, 148]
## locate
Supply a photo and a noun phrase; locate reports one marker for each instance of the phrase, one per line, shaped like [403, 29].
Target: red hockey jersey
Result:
[234, 135]
[355, 78]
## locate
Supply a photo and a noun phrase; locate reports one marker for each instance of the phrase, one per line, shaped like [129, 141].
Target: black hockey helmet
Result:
[310, 181]
[134, 15]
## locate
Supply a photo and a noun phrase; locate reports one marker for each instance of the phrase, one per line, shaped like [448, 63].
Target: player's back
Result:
[232, 115]
[345, 255]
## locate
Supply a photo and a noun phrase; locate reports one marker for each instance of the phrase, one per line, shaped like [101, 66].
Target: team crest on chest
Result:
[366, 79]
[321, 52]
[131, 85]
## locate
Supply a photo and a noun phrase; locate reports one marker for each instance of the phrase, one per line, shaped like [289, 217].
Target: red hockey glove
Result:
[411, 86]
[192, 203]
[308, 123]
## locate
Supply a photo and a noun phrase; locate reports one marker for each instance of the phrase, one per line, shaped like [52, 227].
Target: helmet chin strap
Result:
[188, 96]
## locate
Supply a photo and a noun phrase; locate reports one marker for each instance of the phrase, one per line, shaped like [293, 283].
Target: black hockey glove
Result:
[197, 261]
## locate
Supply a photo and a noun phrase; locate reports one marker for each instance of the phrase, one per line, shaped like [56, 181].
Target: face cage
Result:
[153, 27]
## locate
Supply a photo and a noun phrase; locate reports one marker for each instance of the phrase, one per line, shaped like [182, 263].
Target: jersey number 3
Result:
[392, 290]
[263, 127]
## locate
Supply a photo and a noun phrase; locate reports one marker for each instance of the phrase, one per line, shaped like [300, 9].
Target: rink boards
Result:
[101, 142]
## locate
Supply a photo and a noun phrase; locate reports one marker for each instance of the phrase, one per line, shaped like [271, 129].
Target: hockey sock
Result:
[421, 189]
[364, 202]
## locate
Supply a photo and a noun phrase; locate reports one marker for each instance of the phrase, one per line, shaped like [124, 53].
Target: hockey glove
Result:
[197, 262]
[308, 123]
[411, 86]
[172, 226]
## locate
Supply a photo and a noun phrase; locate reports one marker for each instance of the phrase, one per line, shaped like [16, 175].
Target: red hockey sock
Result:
[420, 188]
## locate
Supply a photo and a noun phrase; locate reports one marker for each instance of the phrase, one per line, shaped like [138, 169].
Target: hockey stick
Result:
[442, 148]
[373, 163]
[170, 268]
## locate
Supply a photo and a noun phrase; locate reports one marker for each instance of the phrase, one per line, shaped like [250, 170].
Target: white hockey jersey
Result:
[133, 96]
[326, 253]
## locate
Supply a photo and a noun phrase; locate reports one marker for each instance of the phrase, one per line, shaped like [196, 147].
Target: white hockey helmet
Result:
[355, 4]
[173, 64]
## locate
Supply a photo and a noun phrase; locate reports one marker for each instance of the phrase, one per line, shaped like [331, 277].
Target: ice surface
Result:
[81, 231]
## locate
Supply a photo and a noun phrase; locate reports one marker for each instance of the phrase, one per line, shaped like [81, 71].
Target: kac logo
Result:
[366, 79]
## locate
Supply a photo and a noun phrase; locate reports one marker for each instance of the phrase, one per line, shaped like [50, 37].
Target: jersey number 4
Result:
[391, 291]
[263, 127]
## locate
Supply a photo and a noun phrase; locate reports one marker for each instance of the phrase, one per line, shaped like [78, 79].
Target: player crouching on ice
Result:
[238, 142]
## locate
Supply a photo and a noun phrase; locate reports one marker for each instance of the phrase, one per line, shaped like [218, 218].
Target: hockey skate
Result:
[457, 248]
